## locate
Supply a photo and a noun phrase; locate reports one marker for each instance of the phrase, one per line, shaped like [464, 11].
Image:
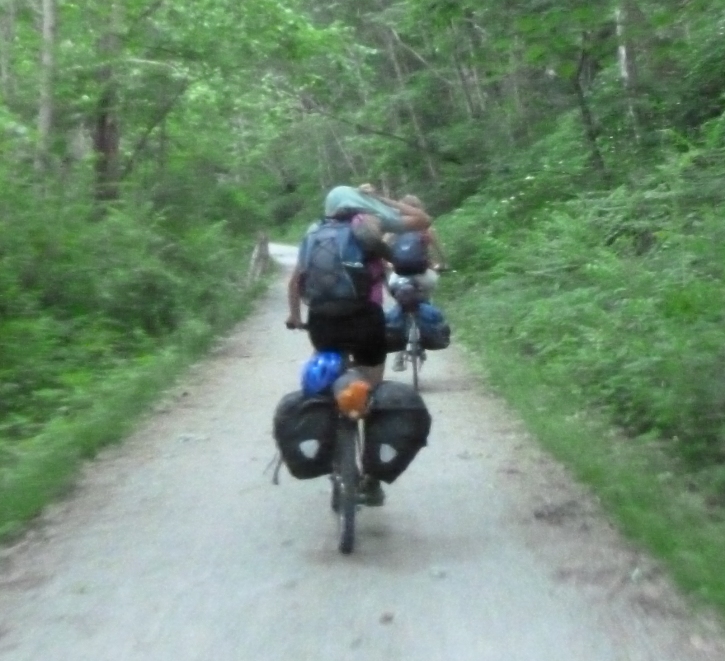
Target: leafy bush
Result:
[617, 295]
[81, 297]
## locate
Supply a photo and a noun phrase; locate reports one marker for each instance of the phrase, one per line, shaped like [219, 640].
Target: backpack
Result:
[410, 254]
[333, 265]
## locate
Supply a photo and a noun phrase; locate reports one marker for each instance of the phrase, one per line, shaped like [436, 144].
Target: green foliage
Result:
[129, 223]
[617, 295]
[84, 297]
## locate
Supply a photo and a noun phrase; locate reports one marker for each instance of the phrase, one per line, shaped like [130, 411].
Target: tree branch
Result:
[309, 105]
[146, 13]
[160, 116]
[421, 59]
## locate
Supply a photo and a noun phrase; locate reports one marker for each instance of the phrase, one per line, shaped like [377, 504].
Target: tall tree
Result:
[47, 80]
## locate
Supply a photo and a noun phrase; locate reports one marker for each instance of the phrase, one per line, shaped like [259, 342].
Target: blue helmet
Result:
[320, 372]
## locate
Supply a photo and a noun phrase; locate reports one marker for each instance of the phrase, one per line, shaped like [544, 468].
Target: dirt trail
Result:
[176, 547]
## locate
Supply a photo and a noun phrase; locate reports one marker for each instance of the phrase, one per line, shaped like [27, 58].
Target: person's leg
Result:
[361, 333]
[372, 492]
[427, 282]
[321, 331]
[367, 330]
[373, 373]
[369, 335]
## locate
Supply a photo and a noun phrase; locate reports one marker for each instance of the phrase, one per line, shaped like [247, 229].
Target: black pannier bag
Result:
[396, 428]
[304, 430]
[435, 333]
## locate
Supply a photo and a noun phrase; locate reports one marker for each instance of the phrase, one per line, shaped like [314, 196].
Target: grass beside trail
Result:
[36, 471]
[648, 493]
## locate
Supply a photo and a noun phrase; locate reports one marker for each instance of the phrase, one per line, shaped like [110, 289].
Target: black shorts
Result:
[360, 332]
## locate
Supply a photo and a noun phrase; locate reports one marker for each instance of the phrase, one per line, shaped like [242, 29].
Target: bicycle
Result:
[409, 295]
[351, 396]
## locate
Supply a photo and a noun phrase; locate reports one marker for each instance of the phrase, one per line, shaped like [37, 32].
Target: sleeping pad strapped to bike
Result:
[396, 428]
[435, 333]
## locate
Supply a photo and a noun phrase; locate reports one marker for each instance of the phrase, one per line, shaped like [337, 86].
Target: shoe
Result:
[399, 362]
[371, 493]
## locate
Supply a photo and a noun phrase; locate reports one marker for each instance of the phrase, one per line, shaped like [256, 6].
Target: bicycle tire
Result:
[416, 372]
[414, 353]
[335, 496]
[348, 483]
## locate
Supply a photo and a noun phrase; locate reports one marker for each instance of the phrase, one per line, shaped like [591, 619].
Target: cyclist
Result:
[356, 326]
[426, 276]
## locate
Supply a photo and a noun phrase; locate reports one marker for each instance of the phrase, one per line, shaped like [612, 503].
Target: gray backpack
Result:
[333, 265]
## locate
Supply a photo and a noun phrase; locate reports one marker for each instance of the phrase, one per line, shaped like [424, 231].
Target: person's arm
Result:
[396, 217]
[370, 235]
[294, 299]
[413, 218]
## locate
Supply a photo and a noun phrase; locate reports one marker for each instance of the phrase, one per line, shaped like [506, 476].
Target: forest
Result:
[573, 154]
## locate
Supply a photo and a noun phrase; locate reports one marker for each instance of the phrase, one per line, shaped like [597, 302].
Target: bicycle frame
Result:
[413, 351]
[409, 298]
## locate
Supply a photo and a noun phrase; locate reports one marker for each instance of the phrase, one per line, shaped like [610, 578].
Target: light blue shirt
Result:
[347, 197]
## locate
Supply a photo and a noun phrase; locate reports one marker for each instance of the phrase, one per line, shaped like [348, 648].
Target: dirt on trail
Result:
[175, 546]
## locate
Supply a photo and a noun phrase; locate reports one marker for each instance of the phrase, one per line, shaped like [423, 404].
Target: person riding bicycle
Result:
[415, 257]
[352, 325]
[432, 258]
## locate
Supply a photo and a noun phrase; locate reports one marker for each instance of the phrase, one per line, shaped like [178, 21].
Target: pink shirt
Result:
[377, 271]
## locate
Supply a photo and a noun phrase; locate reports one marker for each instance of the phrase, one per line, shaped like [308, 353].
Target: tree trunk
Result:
[47, 78]
[107, 135]
[326, 172]
[348, 158]
[7, 36]
[462, 79]
[628, 70]
[162, 152]
[480, 94]
[420, 136]
[590, 130]
[362, 86]
[385, 185]
[475, 47]
[515, 66]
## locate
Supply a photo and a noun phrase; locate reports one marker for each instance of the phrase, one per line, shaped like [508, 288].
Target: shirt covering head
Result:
[345, 201]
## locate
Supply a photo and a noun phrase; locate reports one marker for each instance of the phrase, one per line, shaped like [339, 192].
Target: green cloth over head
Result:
[347, 199]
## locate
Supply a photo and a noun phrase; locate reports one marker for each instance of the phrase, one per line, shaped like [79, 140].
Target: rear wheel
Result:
[347, 485]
